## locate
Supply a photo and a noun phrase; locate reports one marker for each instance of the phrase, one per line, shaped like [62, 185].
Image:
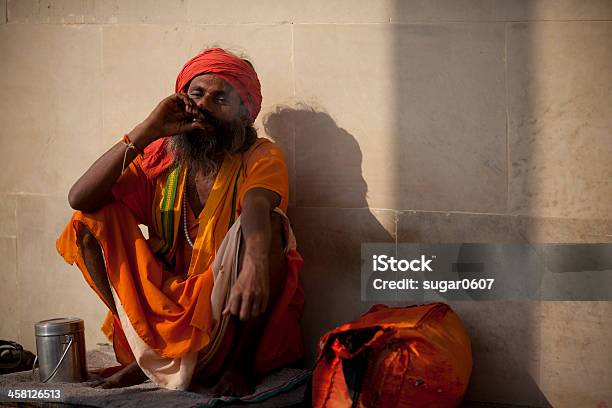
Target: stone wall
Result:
[403, 121]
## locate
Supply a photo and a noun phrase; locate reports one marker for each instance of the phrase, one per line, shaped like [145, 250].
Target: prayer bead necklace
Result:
[185, 229]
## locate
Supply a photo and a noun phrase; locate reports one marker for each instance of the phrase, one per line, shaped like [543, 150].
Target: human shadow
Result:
[329, 213]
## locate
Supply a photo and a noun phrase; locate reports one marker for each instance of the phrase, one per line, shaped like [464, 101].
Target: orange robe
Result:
[167, 303]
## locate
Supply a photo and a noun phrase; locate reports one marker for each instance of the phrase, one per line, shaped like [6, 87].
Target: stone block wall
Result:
[402, 121]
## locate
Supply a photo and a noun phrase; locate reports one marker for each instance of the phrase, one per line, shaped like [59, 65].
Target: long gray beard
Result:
[202, 150]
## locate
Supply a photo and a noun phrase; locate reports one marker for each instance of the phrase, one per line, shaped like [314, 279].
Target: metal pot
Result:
[60, 349]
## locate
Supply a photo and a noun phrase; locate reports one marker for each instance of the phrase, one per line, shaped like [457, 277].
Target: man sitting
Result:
[213, 293]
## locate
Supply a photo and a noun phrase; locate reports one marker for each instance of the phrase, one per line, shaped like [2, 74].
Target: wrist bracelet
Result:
[126, 140]
[128, 145]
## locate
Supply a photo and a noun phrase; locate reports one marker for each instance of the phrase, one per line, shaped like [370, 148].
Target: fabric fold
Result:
[167, 305]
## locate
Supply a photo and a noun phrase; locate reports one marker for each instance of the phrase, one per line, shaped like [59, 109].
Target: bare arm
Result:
[172, 116]
[249, 296]
[258, 205]
[93, 189]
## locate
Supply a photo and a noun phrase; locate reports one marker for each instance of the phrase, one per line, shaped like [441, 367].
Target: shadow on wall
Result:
[328, 225]
[324, 153]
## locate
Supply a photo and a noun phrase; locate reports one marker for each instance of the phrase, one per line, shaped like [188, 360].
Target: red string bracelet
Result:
[128, 145]
[126, 140]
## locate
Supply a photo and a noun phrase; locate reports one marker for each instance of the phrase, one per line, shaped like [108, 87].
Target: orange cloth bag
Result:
[403, 357]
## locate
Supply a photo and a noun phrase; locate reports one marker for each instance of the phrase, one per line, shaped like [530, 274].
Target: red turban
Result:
[237, 72]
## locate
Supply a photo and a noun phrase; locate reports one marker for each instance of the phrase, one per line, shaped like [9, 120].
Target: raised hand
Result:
[173, 115]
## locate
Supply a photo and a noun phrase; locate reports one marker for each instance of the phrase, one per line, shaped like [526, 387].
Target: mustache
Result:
[209, 117]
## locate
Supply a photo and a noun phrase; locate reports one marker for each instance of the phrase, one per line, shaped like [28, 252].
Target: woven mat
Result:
[282, 388]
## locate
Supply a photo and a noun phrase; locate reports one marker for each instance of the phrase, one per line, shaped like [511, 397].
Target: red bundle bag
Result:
[418, 356]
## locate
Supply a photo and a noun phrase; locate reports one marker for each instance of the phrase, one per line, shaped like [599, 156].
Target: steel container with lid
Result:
[60, 349]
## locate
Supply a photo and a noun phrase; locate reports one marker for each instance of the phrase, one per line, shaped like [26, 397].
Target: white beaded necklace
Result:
[185, 229]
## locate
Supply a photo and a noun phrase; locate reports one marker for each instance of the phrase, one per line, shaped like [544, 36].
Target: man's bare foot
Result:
[234, 383]
[127, 376]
